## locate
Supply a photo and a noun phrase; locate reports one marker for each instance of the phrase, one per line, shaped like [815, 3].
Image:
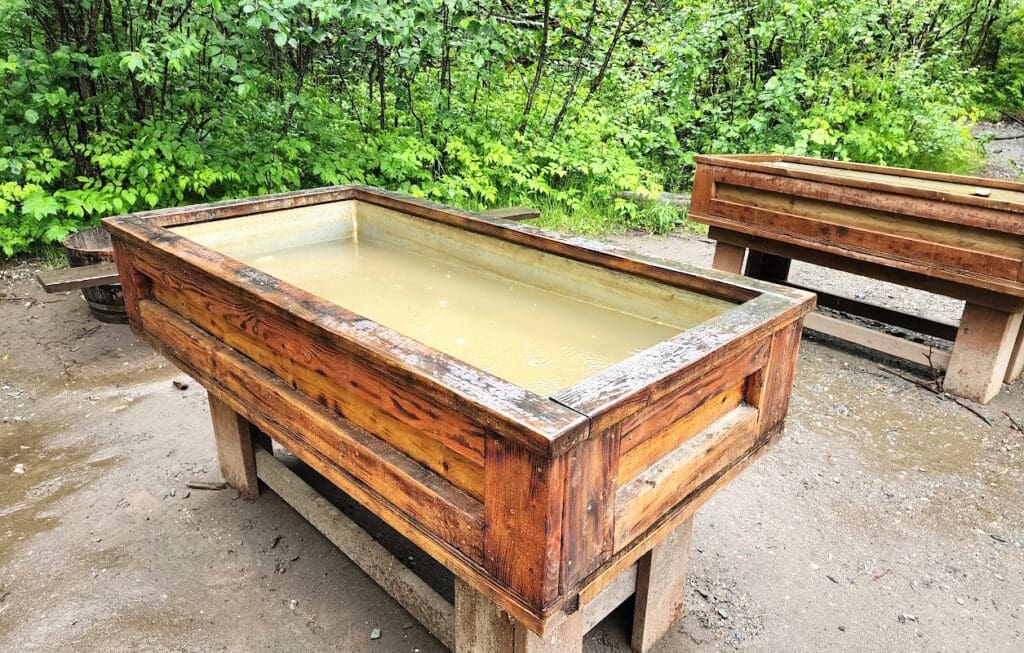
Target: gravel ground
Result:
[886, 519]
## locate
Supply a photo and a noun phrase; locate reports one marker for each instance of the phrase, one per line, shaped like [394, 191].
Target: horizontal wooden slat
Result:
[679, 473]
[513, 213]
[981, 212]
[902, 348]
[922, 254]
[648, 451]
[465, 473]
[641, 425]
[885, 223]
[342, 379]
[320, 439]
[85, 276]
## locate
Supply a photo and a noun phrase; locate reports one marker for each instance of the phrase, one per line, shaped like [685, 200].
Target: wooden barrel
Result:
[86, 248]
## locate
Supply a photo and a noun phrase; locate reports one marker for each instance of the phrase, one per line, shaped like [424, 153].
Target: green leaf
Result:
[280, 39]
[31, 116]
[40, 205]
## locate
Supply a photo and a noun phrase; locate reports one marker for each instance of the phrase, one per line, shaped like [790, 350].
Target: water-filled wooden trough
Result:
[536, 413]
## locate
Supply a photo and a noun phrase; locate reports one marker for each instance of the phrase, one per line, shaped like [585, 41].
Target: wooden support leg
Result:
[482, 627]
[767, 266]
[728, 258]
[661, 587]
[234, 437]
[1016, 365]
[981, 353]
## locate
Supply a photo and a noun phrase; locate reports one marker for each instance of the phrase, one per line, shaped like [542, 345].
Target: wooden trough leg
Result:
[728, 258]
[661, 587]
[1016, 365]
[481, 627]
[234, 435]
[981, 353]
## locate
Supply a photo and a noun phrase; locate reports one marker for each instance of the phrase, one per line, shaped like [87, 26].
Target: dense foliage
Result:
[109, 106]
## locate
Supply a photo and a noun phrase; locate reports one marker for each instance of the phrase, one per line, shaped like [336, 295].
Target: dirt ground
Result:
[887, 518]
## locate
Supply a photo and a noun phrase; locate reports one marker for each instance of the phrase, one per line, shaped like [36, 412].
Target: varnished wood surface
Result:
[84, 276]
[530, 500]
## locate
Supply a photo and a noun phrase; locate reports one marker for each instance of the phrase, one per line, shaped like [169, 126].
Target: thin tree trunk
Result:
[541, 57]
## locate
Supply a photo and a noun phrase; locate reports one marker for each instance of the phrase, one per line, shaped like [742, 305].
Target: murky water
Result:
[535, 338]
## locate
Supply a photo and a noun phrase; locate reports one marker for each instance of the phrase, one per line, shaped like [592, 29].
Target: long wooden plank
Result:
[331, 375]
[878, 313]
[675, 476]
[439, 449]
[640, 457]
[513, 213]
[988, 291]
[85, 276]
[924, 255]
[887, 344]
[986, 213]
[893, 222]
[409, 590]
[321, 439]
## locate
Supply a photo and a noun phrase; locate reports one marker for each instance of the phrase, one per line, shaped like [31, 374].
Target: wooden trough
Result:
[551, 459]
[957, 236]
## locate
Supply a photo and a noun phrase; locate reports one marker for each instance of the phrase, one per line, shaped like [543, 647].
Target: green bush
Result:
[111, 106]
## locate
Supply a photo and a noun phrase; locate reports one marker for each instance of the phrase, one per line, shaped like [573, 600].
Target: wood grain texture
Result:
[661, 588]
[85, 276]
[882, 217]
[982, 352]
[319, 438]
[523, 512]
[675, 476]
[891, 345]
[235, 453]
[517, 494]
[589, 506]
[442, 441]
[728, 258]
[880, 268]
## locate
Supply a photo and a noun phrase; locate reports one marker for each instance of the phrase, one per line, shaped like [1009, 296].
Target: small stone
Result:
[180, 385]
[959, 601]
[173, 492]
[375, 633]
[19, 469]
[293, 604]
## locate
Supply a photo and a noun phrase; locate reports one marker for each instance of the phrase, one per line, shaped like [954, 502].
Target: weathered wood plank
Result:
[322, 440]
[629, 555]
[85, 276]
[920, 254]
[409, 590]
[661, 588]
[981, 353]
[893, 271]
[480, 627]
[589, 506]
[513, 213]
[675, 476]
[883, 314]
[728, 258]
[234, 448]
[523, 506]
[359, 397]
[641, 456]
[891, 345]
[984, 213]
